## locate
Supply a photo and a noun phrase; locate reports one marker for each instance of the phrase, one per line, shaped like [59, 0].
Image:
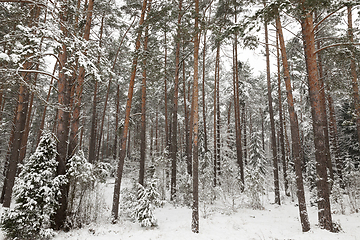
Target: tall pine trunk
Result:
[295, 134]
[354, 80]
[116, 197]
[272, 122]
[143, 110]
[175, 108]
[324, 211]
[195, 205]
[281, 124]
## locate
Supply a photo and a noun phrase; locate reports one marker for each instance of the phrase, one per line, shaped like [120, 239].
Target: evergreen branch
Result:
[335, 45]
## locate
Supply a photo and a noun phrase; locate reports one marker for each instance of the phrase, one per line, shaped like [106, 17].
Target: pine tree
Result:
[36, 191]
[255, 171]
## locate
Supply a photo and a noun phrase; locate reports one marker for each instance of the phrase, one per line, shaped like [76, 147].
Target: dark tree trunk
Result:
[175, 108]
[334, 137]
[92, 140]
[237, 112]
[272, 123]
[116, 122]
[143, 110]
[187, 130]
[281, 124]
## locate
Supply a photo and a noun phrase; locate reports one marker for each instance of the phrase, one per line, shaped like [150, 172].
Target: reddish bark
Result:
[295, 134]
[143, 110]
[324, 210]
[354, 81]
[195, 205]
[116, 198]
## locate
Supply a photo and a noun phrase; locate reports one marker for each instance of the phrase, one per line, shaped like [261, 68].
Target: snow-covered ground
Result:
[274, 222]
[174, 223]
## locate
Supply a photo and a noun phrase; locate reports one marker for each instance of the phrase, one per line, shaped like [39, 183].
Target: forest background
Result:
[162, 93]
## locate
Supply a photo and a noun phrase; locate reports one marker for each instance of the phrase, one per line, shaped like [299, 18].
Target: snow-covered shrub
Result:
[255, 173]
[206, 184]
[141, 205]
[337, 198]
[85, 180]
[36, 193]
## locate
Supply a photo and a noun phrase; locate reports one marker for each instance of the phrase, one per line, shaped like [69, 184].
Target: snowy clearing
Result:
[275, 222]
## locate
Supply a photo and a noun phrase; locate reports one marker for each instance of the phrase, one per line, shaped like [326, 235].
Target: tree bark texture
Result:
[116, 197]
[295, 134]
[195, 113]
[324, 211]
[143, 109]
[175, 109]
[272, 122]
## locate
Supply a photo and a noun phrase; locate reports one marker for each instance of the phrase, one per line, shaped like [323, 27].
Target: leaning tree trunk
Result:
[281, 123]
[116, 198]
[272, 122]
[295, 134]
[324, 210]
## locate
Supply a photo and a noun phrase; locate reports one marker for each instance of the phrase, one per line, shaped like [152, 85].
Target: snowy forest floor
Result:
[174, 222]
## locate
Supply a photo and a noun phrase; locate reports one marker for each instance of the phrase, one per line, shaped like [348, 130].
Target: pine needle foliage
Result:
[36, 191]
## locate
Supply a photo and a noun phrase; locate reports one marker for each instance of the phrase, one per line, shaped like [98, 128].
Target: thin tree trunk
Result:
[74, 129]
[175, 108]
[92, 140]
[195, 205]
[187, 130]
[106, 98]
[334, 137]
[143, 110]
[324, 210]
[116, 198]
[272, 122]
[117, 103]
[165, 95]
[295, 135]
[324, 112]
[218, 144]
[216, 106]
[354, 80]
[281, 123]
[42, 124]
[203, 92]
[243, 120]
[237, 112]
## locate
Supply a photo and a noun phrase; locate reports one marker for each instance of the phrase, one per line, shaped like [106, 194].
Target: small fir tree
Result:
[255, 172]
[140, 208]
[36, 191]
